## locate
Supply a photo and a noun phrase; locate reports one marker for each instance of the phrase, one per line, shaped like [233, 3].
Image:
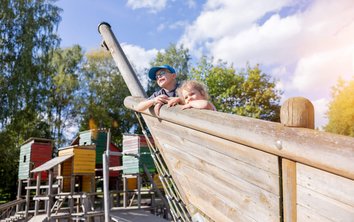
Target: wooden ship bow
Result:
[232, 168]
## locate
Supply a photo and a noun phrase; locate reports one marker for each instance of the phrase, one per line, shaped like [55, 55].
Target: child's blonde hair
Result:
[193, 84]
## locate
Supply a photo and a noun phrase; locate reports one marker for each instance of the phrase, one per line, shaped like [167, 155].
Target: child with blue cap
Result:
[165, 77]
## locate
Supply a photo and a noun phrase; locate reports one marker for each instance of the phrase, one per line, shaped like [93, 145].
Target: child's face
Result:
[192, 94]
[164, 77]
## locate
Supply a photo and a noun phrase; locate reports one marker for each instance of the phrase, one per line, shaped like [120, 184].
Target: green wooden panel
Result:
[133, 165]
[146, 158]
[99, 138]
[24, 161]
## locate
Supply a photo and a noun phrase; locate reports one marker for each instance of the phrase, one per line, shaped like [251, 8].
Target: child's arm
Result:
[199, 104]
[174, 101]
[143, 105]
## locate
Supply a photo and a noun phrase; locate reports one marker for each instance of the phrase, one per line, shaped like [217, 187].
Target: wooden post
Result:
[125, 191]
[72, 190]
[28, 191]
[60, 179]
[295, 112]
[50, 192]
[93, 190]
[139, 190]
[19, 190]
[38, 185]
[106, 196]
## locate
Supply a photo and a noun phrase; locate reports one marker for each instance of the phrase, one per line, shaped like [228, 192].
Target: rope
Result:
[177, 206]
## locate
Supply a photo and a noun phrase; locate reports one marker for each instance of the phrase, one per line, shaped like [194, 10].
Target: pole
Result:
[106, 187]
[129, 76]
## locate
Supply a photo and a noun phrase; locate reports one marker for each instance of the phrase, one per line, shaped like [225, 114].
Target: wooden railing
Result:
[316, 169]
[330, 152]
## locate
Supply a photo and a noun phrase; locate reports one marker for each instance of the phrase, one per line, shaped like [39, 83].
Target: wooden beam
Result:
[27, 198]
[289, 190]
[330, 152]
[50, 192]
[121, 60]
[38, 185]
[19, 191]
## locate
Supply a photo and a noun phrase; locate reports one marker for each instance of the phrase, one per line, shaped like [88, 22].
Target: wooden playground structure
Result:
[69, 187]
[213, 166]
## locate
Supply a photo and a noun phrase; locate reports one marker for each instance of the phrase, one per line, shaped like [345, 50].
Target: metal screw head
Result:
[279, 145]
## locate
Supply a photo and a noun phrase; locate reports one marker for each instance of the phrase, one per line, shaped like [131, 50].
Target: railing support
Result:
[295, 112]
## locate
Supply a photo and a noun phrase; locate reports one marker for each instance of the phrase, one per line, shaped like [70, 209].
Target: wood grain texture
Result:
[326, 151]
[289, 190]
[325, 194]
[232, 176]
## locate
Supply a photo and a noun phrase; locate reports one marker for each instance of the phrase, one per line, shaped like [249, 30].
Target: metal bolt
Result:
[279, 145]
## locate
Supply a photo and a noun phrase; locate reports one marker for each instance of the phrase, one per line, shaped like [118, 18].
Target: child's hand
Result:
[157, 108]
[173, 101]
[161, 99]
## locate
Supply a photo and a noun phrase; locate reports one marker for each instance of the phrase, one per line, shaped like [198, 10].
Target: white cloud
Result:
[140, 59]
[321, 106]
[178, 24]
[153, 5]
[307, 45]
[317, 73]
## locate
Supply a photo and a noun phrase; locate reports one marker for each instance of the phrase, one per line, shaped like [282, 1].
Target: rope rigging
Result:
[178, 208]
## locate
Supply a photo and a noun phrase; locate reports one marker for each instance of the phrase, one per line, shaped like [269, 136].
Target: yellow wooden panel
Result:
[158, 181]
[84, 161]
[86, 183]
[132, 183]
[66, 171]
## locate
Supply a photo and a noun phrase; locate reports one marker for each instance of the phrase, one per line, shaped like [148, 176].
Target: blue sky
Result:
[305, 44]
[147, 27]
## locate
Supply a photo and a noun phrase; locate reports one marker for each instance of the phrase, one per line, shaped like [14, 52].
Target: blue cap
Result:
[153, 70]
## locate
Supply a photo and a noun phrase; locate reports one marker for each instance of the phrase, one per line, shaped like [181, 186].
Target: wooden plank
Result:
[235, 150]
[202, 196]
[323, 206]
[289, 190]
[328, 184]
[38, 185]
[25, 160]
[263, 179]
[169, 166]
[306, 215]
[330, 152]
[247, 198]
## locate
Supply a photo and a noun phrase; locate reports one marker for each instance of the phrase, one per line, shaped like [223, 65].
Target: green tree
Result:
[62, 112]
[178, 58]
[103, 95]
[341, 109]
[248, 92]
[26, 40]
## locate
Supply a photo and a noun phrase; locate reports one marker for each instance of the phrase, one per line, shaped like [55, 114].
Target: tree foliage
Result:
[63, 92]
[341, 109]
[26, 41]
[248, 92]
[102, 97]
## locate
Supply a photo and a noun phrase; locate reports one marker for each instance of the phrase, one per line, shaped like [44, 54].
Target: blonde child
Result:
[193, 94]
